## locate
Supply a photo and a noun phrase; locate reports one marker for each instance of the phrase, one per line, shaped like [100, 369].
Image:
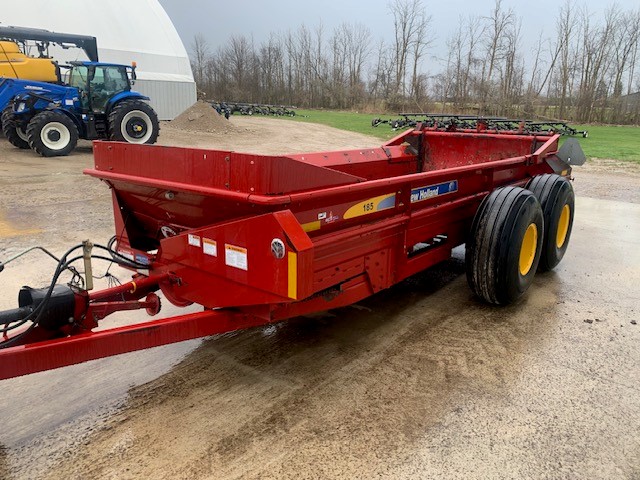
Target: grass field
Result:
[619, 143]
[609, 141]
[351, 121]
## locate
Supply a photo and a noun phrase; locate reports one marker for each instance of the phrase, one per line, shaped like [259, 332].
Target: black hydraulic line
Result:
[15, 318]
[15, 257]
[14, 315]
[41, 97]
[41, 307]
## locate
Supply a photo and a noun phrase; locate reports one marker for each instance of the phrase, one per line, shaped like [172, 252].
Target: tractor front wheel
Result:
[133, 121]
[52, 134]
[16, 135]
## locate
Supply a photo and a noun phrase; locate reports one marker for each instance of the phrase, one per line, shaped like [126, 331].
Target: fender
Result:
[117, 98]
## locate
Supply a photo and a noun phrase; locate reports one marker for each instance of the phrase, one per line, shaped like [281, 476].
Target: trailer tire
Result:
[555, 194]
[503, 249]
[17, 136]
[133, 121]
[52, 134]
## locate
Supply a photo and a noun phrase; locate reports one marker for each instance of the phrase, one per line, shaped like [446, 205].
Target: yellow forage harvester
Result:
[15, 64]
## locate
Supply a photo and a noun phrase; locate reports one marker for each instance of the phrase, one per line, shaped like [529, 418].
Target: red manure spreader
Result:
[257, 239]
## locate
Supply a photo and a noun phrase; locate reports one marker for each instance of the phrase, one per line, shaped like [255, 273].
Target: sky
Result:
[217, 20]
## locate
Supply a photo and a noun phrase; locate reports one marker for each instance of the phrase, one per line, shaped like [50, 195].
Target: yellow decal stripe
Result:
[293, 275]
[311, 226]
[371, 205]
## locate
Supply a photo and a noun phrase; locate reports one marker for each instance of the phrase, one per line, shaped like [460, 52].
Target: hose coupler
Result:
[59, 309]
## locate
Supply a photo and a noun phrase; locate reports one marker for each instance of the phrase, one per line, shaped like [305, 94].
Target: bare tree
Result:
[449, 83]
[349, 51]
[410, 26]
[596, 47]
[383, 73]
[535, 75]
[272, 76]
[626, 37]
[562, 60]
[298, 47]
[498, 23]
[358, 51]
[419, 45]
[511, 70]
[634, 22]
[581, 75]
[340, 64]
[475, 30]
[239, 57]
[199, 57]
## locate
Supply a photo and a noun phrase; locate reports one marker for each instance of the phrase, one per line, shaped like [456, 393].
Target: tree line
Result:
[586, 71]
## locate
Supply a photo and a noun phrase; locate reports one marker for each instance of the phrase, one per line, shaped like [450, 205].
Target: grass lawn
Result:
[618, 143]
[608, 141]
[351, 121]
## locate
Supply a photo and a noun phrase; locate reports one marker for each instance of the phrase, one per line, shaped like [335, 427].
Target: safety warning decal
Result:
[128, 254]
[235, 256]
[194, 240]
[209, 247]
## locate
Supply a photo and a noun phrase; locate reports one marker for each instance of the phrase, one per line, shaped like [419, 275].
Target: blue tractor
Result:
[96, 103]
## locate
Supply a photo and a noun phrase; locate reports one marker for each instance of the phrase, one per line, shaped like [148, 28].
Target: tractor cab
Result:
[99, 83]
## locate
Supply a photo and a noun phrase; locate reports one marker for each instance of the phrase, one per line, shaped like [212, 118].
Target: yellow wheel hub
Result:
[528, 249]
[563, 226]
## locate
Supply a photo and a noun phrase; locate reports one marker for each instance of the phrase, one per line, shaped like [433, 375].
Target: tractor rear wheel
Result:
[16, 135]
[557, 199]
[504, 245]
[52, 134]
[133, 121]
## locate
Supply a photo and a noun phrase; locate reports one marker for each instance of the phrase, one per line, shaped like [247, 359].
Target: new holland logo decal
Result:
[425, 193]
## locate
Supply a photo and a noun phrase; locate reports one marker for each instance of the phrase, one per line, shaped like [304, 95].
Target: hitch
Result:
[58, 310]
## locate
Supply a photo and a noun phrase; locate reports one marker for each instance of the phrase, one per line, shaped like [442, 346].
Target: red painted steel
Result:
[61, 352]
[265, 238]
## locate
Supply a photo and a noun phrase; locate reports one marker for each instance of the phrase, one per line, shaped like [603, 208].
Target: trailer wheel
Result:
[52, 134]
[16, 135]
[503, 249]
[133, 121]
[557, 199]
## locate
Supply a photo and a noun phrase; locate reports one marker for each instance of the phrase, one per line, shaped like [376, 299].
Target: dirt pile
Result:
[202, 117]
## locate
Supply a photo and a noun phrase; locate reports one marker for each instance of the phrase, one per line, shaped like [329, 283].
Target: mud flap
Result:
[570, 153]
